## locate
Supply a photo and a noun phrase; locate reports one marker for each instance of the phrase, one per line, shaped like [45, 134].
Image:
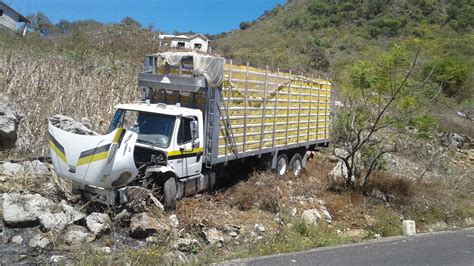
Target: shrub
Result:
[387, 222]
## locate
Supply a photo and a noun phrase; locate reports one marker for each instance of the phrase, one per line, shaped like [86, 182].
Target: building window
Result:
[181, 44]
[197, 46]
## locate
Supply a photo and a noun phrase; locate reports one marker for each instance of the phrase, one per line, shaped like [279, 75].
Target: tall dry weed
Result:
[41, 85]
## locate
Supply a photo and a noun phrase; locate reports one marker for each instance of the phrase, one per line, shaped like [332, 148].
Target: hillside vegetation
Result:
[326, 36]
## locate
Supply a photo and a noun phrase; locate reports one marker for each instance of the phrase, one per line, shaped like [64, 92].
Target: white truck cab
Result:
[177, 131]
[155, 142]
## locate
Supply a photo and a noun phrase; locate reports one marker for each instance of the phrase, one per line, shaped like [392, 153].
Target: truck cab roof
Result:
[159, 108]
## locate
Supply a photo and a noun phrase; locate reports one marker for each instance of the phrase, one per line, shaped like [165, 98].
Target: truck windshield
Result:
[152, 129]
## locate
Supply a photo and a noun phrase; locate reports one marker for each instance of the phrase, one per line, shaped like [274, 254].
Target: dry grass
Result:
[43, 85]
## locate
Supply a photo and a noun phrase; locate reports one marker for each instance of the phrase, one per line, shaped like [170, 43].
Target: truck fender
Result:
[160, 169]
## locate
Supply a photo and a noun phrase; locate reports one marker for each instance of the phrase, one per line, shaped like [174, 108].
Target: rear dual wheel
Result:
[295, 166]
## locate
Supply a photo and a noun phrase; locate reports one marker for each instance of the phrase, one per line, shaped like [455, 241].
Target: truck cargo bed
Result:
[253, 111]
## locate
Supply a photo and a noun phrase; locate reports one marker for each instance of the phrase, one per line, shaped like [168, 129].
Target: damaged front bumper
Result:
[98, 161]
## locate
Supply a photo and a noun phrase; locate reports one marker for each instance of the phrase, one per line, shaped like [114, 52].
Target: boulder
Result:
[340, 170]
[54, 221]
[311, 216]
[143, 225]
[98, 223]
[68, 124]
[102, 250]
[9, 121]
[71, 214]
[23, 210]
[232, 230]
[186, 244]
[375, 193]
[36, 168]
[12, 168]
[325, 213]
[123, 218]
[39, 240]
[77, 235]
[17, 239]
[453, 140]
[293, 212]
[213, 236]
[259, 229]
[174, 222]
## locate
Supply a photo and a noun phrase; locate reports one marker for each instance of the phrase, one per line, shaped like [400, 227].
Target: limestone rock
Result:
[293, 211]
[54, 221]
[232, 230]
[339, 171]
[12, 168]
[20, 210]
[259, 229]
[213, 236]
[311, 216]
[143, 225]
[36, 168]
[123, 218]
[72, 214]
[70, 125]
[98, 223]
[325, 213]
[103, 250]
[453, 140]
[9, 121]
[76, 235]
[186, 244]
[174, 222]
[17, 239]
[39, 240]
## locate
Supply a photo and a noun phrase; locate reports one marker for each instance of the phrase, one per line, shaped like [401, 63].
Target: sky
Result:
[204, 16]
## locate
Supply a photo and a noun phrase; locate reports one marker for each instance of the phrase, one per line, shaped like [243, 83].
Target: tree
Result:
[40, 22]
[244, 25]
[129, 21]
[316, 55]
[64, 26]
[382, 110]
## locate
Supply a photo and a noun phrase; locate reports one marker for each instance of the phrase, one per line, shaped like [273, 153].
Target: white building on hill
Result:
[197, 42]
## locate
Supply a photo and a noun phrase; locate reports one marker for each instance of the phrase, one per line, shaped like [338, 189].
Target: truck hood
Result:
[104, 161]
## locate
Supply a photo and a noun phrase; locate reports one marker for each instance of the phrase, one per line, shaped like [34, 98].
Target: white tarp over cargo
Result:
[210, 67]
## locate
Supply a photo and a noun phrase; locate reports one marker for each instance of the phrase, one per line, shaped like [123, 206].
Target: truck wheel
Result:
[169, 194]
[282, 165]
[296, 164]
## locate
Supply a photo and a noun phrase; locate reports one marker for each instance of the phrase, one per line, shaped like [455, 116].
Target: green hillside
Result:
[326, 36]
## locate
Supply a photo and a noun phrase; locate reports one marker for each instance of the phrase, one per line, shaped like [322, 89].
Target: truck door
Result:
[190, 151]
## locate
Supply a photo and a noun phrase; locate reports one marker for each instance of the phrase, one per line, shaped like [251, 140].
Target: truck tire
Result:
[282, 165]
[169, 194]
[296, 165]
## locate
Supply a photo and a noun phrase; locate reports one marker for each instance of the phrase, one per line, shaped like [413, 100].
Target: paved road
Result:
[443, 248]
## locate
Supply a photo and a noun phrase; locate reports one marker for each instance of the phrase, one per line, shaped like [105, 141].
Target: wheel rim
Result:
[281, 166]
[297, 167]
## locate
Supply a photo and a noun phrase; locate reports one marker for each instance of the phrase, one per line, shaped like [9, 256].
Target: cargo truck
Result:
[197, 115]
